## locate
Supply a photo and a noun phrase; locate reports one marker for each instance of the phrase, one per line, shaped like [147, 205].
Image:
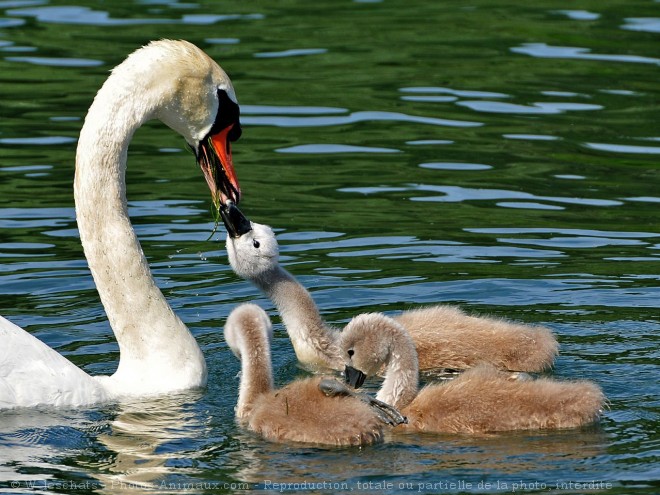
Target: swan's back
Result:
[300, 412]
[484, 399]
[33, 374]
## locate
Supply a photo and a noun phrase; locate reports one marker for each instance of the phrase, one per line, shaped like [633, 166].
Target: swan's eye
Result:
[256, 244]
[350, 353]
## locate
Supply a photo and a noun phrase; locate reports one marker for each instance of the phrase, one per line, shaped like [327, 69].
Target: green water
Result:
[502, 156]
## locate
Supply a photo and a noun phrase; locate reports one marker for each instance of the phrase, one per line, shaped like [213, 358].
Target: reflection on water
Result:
[89, 17]
[355, 117]
[126, 446]
[415, 457]
[145, 441]
[494, 155]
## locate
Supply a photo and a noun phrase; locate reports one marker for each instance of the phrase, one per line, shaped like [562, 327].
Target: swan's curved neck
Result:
[157, 351]
[256, 376]
[314, 342]
[401, 373]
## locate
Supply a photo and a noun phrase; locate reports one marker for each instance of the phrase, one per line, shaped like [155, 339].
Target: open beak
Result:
[235, 222]
[354, 377]
[214, 157]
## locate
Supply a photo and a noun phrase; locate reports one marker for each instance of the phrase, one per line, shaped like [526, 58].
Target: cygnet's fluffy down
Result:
[484, 399]
[480, 400]
[445, 337]
[301, 411]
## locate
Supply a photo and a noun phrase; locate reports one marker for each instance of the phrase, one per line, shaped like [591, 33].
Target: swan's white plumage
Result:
[177, 83]
[31, 373]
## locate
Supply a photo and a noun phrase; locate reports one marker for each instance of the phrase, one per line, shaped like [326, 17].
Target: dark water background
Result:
[498, 155]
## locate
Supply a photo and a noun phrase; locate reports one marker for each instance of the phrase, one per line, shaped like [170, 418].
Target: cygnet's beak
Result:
[354, 377]
[234, 220]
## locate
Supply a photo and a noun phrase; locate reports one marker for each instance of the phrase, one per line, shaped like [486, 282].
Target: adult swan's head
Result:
[177, 83]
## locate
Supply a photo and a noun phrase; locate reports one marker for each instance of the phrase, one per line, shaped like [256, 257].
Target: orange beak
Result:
[214, 157]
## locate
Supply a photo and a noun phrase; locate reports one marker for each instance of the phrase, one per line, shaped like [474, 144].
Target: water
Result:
[501, 156]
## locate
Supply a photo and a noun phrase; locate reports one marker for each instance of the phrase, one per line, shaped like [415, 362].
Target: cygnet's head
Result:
[247, 327]
[366, 345]
[251, 247]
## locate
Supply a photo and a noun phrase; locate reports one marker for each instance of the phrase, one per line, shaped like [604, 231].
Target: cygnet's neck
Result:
[256, 372]
[314, 342]
[401, 382]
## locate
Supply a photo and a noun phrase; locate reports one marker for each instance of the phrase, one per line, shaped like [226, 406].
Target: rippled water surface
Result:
[498, 155]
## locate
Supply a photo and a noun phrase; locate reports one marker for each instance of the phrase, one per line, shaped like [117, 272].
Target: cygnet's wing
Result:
[386, 413]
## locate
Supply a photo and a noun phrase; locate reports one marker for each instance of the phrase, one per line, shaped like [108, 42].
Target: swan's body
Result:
[482, 399]
[177, 83]
[302, 411]
[445, 337]
[31, 373]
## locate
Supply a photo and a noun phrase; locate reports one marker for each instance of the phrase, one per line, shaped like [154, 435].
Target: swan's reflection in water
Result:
[149, 440]
[419, 458]
[128, 447]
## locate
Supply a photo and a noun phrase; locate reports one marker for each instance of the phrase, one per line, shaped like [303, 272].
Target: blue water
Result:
[502, 157]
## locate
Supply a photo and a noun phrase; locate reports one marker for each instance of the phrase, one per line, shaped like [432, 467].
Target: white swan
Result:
[444, 336]
[482, 399]
[177, 83]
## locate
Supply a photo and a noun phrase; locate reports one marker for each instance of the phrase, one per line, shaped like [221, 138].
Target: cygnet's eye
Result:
[256, 244]
[350, 353]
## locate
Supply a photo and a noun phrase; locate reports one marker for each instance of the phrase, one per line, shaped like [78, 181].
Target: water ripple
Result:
[334, 148]
[451, 194]
[355, 117]
[6, 23]
[446, 253]
[288, 110]
[644, 199]
[576, 242]
[528, 205]
[291, 53]
[543, 50]
[569, 293]
[531, 137]
[222, 41]
[645, 24]
[39, 141]
[455, 92]
[579, 15]
[457, 193]
[455, 166]
[87, 16]
[546, 108]
[57, 61]
[573, 232]
[623, 148]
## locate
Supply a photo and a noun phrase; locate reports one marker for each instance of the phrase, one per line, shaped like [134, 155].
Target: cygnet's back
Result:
[447, 337]
[300, 411]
